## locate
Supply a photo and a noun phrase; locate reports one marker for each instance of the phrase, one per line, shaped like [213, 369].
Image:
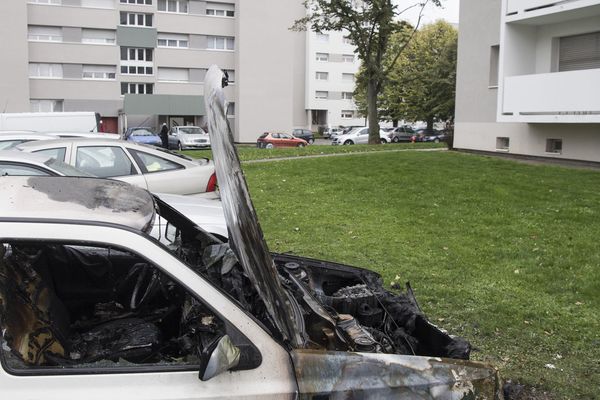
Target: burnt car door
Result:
[84, 316]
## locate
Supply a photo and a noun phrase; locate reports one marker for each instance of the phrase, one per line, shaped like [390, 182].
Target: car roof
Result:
[20, 156]
[26, 136]
[76, 200]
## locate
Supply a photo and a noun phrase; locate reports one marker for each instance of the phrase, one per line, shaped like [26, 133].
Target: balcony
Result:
[565, 97]
[542, 12]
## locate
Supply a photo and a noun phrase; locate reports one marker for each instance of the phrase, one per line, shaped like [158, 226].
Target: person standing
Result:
[164, 136]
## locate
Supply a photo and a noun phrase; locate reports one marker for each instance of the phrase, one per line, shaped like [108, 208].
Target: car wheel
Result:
[436, 140]
[382, 141]
[395, 139]
[269, 146]
[348, 142]
[311, 141]
[300, 145]
[179, 146]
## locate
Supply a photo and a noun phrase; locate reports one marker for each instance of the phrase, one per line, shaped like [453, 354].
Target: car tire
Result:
[348, 143]
[436, 140]
[269, 146]
[179, 146]
[382, 141]
[311, 141]
[300, 145]
[395, 139]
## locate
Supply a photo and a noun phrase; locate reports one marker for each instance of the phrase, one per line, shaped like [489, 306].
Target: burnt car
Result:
[91, 304]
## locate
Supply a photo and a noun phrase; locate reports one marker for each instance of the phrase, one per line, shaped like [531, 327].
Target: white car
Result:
[152, 168]
[10, 140]
[188, 137]
[358, 136]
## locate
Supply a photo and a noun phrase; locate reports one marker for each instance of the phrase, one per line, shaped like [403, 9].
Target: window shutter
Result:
[579, 52]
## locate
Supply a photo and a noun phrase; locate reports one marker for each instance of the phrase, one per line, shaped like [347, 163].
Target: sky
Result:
[448, 12]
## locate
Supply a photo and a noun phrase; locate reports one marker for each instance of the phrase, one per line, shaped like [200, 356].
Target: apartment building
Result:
[332, 66]
[528, 78]
[143, 62]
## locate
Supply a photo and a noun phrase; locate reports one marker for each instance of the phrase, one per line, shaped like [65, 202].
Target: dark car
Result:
[430, 135]
[304, 134]
[401, 134]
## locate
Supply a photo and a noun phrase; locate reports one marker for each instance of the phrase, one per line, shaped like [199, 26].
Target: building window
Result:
[347, 95]
[322, 57]
[220, 43]
[136, 54]
[231, 75]
[322, 37]
[142, 2]
[136, 61]
[220, 9]
[136, 19]
[579, 52]
[173, 6]
[136, 70]
[494, 65]
[348, 58]
[348, 77]
[46, 105]
[322, 76]
[174, 74]
[347, 114]
[136, 88]
[554, 146]
[99, 72]
[502, 143]
[347, 40]
[231, 110]
[54, 2]
[45, 33]
[173, 40]
[98, 36]
[38, 70]
[320, 94]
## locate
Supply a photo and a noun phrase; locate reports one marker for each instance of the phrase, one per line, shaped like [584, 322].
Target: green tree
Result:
[422, 84]
[370, 25]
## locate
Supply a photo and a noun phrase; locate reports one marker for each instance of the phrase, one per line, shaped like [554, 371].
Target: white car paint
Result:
[359, 136]
[186, 177]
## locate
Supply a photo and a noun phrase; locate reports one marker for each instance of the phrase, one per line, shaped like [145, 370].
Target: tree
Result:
[422, 84]
[370, 25]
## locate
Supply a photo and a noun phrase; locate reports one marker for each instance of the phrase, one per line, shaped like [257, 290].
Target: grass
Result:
[248, 153]
[502, 253]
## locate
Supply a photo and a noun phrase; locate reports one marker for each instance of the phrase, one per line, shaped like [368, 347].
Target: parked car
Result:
[330, 132]
[94, 135]
[401, 134]
[359, 136]
[10, 140]
[431, 135]
[188, 137]
[347, 129]
[304, 134]
[143, 135]
[270, 140]
[152, 168]
[206, 213]
[92, 304]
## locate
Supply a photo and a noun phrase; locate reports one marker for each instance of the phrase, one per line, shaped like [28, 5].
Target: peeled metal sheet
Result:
[245, 235]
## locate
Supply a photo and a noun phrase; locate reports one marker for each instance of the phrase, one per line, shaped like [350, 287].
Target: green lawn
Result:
[502, 253]
[248, 153]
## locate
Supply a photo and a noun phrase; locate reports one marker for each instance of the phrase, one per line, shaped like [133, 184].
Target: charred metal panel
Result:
[345, 375]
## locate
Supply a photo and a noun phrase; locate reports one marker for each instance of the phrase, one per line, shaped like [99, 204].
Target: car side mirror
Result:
[219, 356]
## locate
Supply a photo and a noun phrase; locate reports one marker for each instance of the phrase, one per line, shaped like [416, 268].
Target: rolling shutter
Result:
[579, 52]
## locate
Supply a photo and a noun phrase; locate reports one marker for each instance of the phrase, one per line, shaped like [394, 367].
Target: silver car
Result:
[149, 167]
[188, 137]
[359, 136]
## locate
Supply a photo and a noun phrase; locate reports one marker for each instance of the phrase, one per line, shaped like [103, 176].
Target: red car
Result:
[270, 140]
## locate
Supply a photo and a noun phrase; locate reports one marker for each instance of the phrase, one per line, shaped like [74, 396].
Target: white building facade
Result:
[331, 71]
[529, 78]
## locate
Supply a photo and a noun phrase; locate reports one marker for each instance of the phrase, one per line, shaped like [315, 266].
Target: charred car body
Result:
[87, 294]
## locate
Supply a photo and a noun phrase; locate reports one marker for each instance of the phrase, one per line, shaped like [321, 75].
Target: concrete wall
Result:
[269, 63]
[14, 81]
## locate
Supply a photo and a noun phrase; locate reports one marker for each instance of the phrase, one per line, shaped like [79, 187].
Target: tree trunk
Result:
[372, 111]
[429, 124]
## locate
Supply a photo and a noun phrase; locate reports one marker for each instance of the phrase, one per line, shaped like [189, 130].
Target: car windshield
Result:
[192, 130]
[142, 132]
[65, 168]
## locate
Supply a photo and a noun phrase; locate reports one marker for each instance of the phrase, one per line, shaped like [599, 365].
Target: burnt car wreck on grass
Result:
[88, 294]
